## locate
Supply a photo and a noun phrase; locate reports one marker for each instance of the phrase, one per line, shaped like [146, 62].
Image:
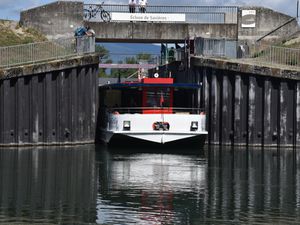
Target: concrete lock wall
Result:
[57, 19]
[266, 20]
[158, 32]
[55, 105]
[258, 108]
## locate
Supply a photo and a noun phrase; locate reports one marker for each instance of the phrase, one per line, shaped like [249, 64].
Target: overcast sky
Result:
[10, 9]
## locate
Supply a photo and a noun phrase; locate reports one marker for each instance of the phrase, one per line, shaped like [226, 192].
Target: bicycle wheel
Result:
[87, 14]
[105, 16]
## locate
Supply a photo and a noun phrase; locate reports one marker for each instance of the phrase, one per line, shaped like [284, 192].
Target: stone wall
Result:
[57, 19]
[267, 20]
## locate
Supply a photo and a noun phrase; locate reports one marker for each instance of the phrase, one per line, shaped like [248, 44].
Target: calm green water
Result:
[93, 185]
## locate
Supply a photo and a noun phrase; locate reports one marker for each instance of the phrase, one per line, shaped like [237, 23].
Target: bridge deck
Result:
[127, 66]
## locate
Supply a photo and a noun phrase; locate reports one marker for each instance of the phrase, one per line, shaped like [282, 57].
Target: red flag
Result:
[161, 100]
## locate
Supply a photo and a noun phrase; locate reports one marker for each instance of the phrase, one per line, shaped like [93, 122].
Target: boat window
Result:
[157, 97]
[131, 98]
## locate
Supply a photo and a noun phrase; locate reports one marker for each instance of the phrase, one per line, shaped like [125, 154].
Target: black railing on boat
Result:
[173, 110]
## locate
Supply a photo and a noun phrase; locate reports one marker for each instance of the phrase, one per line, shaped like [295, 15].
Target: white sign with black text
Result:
[148, 17]
[248, 18]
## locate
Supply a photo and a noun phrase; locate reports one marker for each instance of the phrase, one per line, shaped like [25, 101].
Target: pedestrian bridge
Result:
[114, 23]
[159, 23]
[168, 24]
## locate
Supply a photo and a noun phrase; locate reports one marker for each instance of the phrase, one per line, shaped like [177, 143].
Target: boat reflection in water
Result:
[47, 185]
[146, 188]
[227, 186]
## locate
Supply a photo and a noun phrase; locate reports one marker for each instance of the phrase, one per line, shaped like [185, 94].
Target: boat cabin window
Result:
[131, 98]
[157, 97]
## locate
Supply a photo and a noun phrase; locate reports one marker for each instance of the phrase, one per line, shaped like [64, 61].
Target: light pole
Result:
[297, 9]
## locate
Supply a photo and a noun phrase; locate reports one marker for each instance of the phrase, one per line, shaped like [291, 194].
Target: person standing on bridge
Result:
[132, 4]
[142, 5]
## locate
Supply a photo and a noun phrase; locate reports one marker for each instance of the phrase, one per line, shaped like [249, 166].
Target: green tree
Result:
[124, 72]
[130, 60]
[104, 58]
[143, 56]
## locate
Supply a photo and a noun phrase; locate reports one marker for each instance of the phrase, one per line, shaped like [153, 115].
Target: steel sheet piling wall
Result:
[250, 109]
[215, 107]
[240, 130]
[297, 116]
[58, 107]
[227, 109]
[267, 135]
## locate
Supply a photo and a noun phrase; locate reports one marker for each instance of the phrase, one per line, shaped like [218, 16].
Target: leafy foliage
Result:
[105, 58]
[124, 72]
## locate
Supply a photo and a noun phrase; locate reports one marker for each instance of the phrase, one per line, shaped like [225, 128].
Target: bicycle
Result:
[93, 10]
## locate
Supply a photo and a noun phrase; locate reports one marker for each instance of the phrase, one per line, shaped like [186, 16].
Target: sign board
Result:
[248, 18]
[148, 17]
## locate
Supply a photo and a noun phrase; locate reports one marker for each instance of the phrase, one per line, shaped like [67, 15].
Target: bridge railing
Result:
[45, 51]
[276, 55]
[193, 14]
[258, 53]
[216, 47]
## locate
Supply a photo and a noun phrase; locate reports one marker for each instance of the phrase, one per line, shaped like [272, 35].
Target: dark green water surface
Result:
[96, 185]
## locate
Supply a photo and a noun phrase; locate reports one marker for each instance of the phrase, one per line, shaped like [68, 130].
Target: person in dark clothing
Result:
[132, 4]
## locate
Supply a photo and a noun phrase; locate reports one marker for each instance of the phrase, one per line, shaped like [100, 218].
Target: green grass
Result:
[13, 34]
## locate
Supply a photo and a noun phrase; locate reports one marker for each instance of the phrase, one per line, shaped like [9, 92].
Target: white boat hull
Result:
[158, 137]
[141, 127]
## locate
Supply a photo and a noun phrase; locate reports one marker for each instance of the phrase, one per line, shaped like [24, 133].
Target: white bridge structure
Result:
[127, 66]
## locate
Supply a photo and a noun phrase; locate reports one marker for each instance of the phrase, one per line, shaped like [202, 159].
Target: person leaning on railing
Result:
[83, 44]
[132, 4]
[84, 31]
[90, 32]
[142, 5]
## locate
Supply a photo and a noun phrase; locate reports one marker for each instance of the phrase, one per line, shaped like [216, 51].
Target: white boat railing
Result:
[173, 110]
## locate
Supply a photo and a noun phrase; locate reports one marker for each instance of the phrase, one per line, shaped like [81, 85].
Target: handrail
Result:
[258, 53]
[174, 110]
[45, 51]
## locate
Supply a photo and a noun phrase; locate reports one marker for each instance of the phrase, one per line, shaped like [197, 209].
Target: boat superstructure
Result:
[147, 110]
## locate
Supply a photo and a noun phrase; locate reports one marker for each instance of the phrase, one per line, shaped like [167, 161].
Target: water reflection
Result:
[148, 187]
[257, 185]
[223, 186]
[47, 185]
[79, 185]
